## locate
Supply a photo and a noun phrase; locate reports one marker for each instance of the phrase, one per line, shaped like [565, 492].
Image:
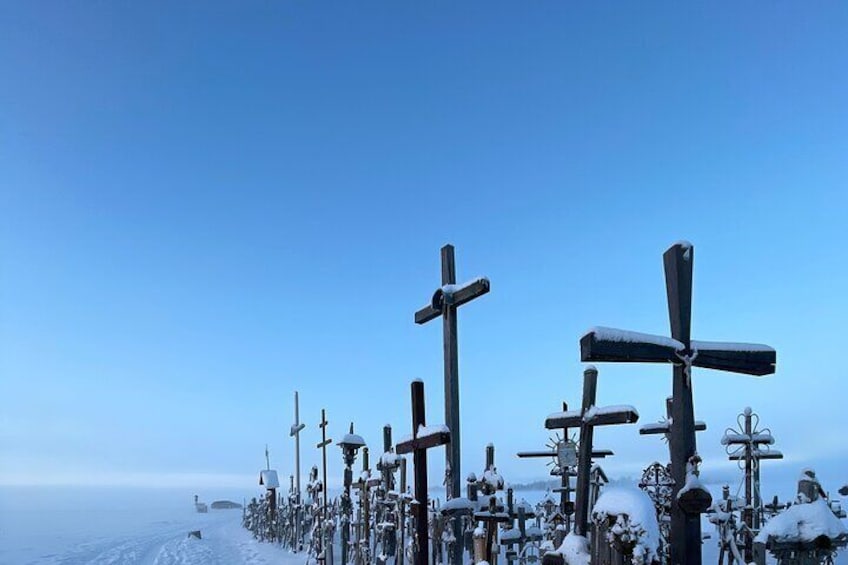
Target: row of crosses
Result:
[574, 459]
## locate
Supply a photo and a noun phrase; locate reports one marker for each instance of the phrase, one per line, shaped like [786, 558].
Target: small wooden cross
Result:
[586, 419]
[325, 441]
[491, 518]
[604, 344]
[665, 427]
[422, 439]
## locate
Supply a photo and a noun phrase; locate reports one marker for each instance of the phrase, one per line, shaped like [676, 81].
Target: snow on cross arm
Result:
[624, 336]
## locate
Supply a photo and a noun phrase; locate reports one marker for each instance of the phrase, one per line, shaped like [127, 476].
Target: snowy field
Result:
[61, 526]
[112, 526]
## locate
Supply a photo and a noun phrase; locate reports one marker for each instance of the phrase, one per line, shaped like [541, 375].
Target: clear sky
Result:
[207, 207]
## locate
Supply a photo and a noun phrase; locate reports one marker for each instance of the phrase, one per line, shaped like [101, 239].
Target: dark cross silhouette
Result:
[586, 419]
[602, 344]
[444, 303]
[325, 441]
[423, 438]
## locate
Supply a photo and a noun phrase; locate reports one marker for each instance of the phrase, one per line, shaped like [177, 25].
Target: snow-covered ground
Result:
[109, 526]
[62, 526]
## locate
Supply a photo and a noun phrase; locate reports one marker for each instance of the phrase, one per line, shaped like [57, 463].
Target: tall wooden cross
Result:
[586, 419]
[422, 439]
[444, 303]
[603, 344]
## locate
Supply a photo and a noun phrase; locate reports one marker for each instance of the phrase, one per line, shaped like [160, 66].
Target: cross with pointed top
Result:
[604, 344]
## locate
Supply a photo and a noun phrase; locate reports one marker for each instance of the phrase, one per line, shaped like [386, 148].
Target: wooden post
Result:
[444, 303]
[326, 545]
[603, 344]
[295, 431]
[422, 439]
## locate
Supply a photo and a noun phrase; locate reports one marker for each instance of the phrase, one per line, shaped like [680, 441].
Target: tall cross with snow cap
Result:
[586, 419]
[444, 303]
[422, 439]
[604, 344]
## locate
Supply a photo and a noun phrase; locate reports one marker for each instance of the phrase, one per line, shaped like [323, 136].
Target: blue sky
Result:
[206, 208]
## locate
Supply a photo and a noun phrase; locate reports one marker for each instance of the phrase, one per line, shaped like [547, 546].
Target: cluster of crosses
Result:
[380, 520]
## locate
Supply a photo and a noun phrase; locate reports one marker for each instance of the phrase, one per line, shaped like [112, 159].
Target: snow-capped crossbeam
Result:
[452, 295]
[608, 344]
[594, 416]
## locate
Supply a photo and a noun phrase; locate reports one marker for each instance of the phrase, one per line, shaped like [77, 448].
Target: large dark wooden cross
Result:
[586, 419]
[603, 344]
[423, 438]
[444, 303]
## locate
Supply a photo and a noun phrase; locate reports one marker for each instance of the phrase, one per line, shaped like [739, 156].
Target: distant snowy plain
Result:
[62, 526]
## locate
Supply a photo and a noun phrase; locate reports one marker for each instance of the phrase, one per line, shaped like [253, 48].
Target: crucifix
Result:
[422, 439]
[295, 432]
[604, 344]
[586, 419]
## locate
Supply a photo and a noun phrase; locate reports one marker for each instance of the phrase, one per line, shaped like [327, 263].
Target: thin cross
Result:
[586, 419]
[422, 439]
[325, 441]
[602, 344]
[444, 303]
[295, 431]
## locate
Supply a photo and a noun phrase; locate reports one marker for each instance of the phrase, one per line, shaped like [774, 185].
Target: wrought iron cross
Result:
[604, 344]
[586, 419]
[423, 438]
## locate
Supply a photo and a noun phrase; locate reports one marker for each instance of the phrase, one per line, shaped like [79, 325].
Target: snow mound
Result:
[803, 523]
[633, 520]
